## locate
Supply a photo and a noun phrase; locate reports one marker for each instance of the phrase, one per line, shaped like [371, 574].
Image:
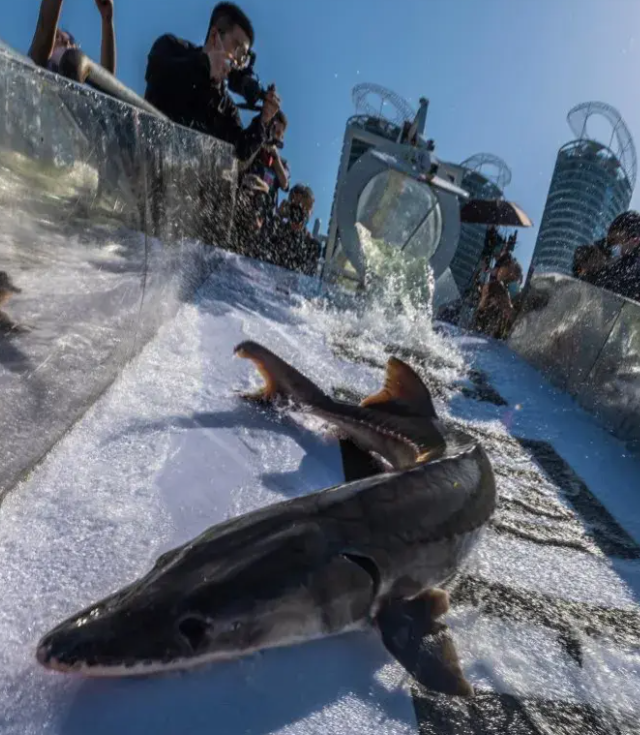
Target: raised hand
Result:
[106, 9]
[270, 106]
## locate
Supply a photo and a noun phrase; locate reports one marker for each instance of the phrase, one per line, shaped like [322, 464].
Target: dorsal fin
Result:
[402, 383]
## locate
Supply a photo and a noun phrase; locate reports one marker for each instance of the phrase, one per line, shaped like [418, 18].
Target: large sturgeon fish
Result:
[371, 553]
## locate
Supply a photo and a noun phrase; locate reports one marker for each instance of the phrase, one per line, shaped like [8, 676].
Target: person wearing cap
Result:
[187, 82]
[50, 42]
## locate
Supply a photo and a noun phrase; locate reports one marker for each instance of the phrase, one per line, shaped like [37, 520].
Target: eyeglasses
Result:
[239, 57]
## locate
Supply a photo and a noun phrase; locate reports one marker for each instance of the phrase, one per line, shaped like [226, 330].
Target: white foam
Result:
[530, 662]
[564, 573]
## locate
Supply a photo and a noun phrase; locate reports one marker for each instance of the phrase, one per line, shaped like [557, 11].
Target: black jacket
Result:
[622, 276]
[179, 85]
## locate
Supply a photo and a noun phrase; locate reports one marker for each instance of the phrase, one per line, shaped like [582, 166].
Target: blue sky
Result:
[501, 75]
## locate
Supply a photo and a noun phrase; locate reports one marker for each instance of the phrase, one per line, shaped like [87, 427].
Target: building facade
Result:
[592, 183]
[484, 177]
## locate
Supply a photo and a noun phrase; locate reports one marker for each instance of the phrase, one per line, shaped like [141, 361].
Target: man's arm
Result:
[45, 33]
[249, 140]
[175, 74]
[108, 50]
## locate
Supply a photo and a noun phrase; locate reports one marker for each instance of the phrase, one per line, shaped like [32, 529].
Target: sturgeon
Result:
[375, 553]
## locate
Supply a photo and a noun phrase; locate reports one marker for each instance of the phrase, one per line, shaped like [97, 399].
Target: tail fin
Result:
[281, 379]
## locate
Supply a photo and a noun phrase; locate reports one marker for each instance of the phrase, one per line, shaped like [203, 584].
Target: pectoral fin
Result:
[423, 645]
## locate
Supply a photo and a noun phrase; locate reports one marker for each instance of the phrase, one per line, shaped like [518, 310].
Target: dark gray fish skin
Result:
[313, 566]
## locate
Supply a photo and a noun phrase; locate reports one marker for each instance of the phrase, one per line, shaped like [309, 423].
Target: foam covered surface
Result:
[170, 450]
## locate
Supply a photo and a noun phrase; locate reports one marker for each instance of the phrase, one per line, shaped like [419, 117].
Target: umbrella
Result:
[493, 212]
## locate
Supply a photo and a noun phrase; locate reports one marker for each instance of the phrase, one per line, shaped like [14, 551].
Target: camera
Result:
[275, 142]
[246, 83]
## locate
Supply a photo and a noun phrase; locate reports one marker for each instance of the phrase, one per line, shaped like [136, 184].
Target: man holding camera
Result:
[271, 170]
[268, 164]
[188, 82]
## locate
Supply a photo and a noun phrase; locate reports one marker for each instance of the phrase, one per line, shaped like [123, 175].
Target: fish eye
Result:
[194, 630]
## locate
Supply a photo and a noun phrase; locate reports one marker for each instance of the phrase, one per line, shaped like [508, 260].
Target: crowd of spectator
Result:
[493, 297]
[612, 263]
[190, 84]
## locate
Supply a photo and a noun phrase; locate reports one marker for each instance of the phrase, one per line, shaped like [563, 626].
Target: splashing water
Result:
[395, 313]
[395, 278]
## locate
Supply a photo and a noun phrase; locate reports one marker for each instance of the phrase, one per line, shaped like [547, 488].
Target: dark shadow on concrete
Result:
[489, 712]
[237, 697]
[600, 525]
[12, 358]
[571, 620]
[481, 389]
[248, 416]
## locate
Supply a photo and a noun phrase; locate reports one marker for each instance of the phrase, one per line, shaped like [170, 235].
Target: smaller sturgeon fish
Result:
[369, 553]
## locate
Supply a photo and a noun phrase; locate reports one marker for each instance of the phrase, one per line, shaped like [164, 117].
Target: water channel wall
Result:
[586, 341]
[107, 216]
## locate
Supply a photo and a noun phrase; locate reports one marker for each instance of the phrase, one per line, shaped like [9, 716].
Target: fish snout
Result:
[54, 658]
[43, 653]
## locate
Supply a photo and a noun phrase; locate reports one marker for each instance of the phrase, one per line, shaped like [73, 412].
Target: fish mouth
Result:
[97, 670]
[140, 670]
[134, 669]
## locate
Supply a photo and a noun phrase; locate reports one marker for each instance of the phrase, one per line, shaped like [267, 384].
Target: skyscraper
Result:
[484, 176]
[592, 182]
